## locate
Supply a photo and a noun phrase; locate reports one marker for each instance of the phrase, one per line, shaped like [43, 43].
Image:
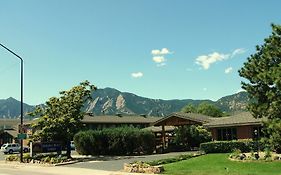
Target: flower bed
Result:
[254, 156]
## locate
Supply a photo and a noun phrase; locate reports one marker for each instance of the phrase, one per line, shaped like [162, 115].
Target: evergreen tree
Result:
[263, 72]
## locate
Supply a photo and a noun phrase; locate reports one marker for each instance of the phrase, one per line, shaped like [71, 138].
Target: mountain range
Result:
[110, 101]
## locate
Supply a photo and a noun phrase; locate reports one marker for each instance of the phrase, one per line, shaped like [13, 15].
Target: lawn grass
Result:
[219, 164]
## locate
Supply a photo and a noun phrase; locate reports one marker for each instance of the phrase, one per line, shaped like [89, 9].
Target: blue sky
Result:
[159, 49]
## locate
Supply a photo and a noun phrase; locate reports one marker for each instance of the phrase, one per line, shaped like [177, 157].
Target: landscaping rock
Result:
[143, 168]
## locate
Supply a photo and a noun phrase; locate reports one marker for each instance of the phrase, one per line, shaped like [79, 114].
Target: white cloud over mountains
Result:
[228, 70]
[238, 52]
[205, 61]
[137, 74]
[159, 56]
[158, 59]
[163, 51]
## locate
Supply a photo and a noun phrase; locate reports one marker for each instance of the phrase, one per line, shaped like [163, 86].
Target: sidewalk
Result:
[33, 168]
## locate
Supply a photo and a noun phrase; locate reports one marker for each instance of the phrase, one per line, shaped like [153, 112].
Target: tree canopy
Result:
[263, 73]
[191, 136]
[61, 117]
[203, 108]
[189, 108]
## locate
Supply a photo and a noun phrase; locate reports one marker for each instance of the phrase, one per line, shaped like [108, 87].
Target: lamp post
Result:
[257, 139]
[21, 101]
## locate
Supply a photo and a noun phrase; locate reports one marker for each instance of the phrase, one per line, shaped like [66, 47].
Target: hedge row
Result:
[229, 146]
[114, 141]
[174, 159]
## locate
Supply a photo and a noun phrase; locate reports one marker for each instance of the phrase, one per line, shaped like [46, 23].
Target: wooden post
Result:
[163, 137]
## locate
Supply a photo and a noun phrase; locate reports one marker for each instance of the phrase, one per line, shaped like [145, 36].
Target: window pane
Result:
[234, 134]
[224, 132]
[219, 134]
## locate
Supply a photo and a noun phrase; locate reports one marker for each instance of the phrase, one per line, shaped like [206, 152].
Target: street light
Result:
[257, 139]
[21, 101]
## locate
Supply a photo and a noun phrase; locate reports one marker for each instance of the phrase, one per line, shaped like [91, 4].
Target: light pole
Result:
[257, 139]
[21, 99]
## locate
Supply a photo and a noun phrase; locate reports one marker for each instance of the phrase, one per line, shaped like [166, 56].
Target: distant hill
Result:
[111, 101]
[10, 108]
[234, 103]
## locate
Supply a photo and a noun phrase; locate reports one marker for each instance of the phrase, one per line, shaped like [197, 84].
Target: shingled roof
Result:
[184, 118]
[241, 119]
[156, 129]
[119, 119]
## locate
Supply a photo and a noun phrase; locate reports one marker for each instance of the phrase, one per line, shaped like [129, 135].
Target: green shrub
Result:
[267, 154]
[235, 154]
[172, 160]
[12, 158]
[230, 146]
[115, 141]
[187, 137]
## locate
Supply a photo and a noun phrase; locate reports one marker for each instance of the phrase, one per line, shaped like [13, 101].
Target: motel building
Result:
[239, 126]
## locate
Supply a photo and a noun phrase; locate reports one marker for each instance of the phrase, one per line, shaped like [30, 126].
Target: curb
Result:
[67, 163]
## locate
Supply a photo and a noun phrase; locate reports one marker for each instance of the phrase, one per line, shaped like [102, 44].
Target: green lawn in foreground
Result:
[218, 164]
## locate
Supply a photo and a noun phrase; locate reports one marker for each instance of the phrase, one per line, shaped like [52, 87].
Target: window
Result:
[227, 134]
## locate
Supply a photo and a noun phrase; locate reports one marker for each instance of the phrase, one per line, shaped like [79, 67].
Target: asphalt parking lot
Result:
[111, 163]
[115, 163]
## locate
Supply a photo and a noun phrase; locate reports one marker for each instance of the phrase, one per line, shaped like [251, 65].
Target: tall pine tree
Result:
[263, 72]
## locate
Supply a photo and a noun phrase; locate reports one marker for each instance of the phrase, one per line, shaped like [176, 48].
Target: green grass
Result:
[219, 164]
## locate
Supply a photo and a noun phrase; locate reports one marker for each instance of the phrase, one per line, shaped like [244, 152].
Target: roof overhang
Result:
[233, 125]
[177, 120]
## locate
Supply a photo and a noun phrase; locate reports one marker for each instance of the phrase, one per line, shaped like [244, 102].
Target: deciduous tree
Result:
[203, 108]
[61, 117]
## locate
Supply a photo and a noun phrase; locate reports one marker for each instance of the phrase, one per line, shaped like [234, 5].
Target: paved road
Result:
[116, 163]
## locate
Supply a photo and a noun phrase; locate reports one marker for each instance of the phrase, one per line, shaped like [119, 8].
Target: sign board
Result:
[25, 128]
[46, 147]
[22, 136]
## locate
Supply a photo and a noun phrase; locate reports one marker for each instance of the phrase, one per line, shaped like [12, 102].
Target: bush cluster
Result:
[230, 146]
[115, 141]
[188, 137]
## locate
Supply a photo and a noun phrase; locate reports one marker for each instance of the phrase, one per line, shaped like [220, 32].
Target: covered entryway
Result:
[177, 120]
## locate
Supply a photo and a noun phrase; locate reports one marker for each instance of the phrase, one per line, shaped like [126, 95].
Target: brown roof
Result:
[12, 132]
[198, 118]
[244, 118]
[159, 128]
[119, 119]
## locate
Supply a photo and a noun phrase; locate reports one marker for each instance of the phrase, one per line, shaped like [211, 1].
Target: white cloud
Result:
[206, 60]
[137, 74]
[228, 70]
[205, 89]
[161, 64]
[238, 51]
[159, 56]
[163, 51]
[158, 59]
